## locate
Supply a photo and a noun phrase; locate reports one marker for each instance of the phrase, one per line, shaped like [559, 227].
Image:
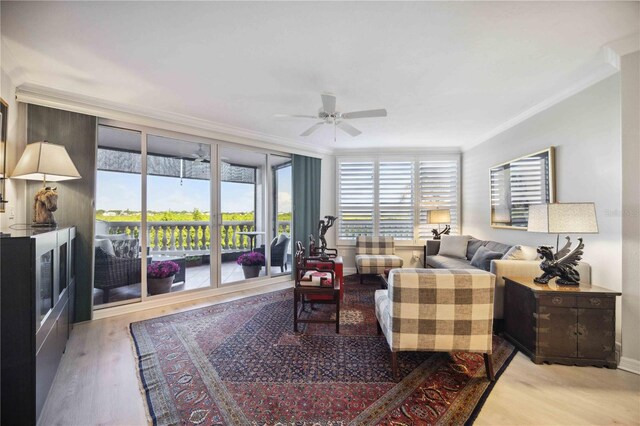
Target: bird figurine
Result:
[561, 264]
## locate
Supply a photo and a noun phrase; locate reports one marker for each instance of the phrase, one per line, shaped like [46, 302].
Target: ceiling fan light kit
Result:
[328, 115]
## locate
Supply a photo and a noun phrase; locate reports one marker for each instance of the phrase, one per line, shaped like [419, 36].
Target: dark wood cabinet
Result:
[37, 276]
[561, 324]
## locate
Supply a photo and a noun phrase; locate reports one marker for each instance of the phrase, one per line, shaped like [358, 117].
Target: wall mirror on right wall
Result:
[4, 109]
[519, 183]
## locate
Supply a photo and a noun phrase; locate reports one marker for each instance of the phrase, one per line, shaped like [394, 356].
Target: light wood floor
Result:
[97, 384]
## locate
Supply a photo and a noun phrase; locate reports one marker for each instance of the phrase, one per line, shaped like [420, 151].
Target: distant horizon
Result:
[122, 191]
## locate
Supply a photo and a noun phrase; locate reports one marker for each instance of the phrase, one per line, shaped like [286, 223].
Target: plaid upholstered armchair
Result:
[437, 310]
[375, 254]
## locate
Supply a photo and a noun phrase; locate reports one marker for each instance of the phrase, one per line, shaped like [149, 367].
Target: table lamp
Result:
[439, 217]
[562, 218]
[47, 162]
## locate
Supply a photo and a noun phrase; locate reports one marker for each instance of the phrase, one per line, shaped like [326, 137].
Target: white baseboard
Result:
[349, 271]
[630, 365]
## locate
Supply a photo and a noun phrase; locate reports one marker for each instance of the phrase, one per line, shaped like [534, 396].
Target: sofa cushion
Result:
[472, 247]
[454, 246]
[495, 246]
[483, 257]
[519, 252]
[446, 262]
[106, 245]
[377, 263]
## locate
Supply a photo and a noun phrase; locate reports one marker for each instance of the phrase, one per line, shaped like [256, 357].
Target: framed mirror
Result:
[519, 183]
[4, 108]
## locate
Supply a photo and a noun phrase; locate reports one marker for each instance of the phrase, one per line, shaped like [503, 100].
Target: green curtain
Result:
[306, 173]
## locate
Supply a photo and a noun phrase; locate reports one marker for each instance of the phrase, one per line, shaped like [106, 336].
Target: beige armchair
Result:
[438, 310]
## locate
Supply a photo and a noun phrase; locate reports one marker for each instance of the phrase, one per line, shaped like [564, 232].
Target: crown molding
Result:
[44, 96]
[610, 65]
[398, 151]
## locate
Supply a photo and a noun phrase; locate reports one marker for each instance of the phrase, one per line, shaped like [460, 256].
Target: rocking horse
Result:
[45, 203]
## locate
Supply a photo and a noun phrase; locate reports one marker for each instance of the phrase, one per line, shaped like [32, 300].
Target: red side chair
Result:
[314, 284]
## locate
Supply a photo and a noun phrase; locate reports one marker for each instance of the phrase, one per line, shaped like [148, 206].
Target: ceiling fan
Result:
[328, 115]
[201, 155]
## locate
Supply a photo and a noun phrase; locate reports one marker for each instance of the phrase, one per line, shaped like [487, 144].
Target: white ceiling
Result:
[448, 73]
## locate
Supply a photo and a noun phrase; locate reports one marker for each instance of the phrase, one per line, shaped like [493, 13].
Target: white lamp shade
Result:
[563, 218]
[45, 161]
[439, 216]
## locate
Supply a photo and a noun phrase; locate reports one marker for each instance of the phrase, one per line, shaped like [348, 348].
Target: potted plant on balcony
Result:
[251, 263]
[160, 276]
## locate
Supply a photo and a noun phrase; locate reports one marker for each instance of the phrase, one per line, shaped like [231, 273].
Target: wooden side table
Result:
[561, 324]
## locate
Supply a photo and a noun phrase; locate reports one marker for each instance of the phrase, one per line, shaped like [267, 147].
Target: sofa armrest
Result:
[433, 247]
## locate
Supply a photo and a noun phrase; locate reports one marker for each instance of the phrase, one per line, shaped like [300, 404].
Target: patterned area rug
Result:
[239, 363]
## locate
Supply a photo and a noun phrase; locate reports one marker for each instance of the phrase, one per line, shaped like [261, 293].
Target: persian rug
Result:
[239, 363]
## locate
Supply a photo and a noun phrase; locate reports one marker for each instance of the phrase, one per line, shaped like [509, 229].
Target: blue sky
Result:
[121, 191]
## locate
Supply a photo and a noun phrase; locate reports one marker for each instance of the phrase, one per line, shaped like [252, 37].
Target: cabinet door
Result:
[557, 332]
[595, 334]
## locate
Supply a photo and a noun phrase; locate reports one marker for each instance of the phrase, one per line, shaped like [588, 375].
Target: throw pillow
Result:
[105, 245]
[519, 252]
[454, 246]
[483, 257]
[126, 248]
[473, 246]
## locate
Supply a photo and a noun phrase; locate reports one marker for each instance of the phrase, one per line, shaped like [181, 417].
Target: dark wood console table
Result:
[572, 325]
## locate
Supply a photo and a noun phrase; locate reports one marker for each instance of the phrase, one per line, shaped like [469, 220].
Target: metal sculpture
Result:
[323, 227]
[561, 264]
[438, 234]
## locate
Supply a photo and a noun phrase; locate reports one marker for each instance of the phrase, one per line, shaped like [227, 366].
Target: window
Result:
[392, 197]
[395, 193]
[356, 199]
[438, 189]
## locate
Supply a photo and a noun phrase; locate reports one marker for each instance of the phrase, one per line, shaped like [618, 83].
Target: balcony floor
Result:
[196, 277]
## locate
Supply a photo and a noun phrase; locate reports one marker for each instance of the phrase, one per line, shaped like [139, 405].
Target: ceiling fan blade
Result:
[314, 117]
[365, 114]
[348, 128]
[312, 129]
[328, 103]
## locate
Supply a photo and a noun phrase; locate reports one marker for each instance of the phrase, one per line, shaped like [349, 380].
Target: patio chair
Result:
[279, 249]
[117, 266]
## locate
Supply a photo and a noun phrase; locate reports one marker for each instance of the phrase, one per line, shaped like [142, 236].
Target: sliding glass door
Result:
[243, 211]
[117, 245]
[281, 246]
[204, 212]
[178, 214]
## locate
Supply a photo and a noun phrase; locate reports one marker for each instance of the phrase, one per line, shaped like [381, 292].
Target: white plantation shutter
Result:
[356, 198]
[380, 196]
[396, 199]
[528, 181]
[438, 189]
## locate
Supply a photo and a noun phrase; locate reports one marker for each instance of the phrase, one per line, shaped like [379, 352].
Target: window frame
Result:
[416, 159]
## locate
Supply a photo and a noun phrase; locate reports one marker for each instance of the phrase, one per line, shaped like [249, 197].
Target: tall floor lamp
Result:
[46, 162]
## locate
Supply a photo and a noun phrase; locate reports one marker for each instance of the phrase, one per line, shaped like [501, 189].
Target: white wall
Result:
[630, 212]
[14, 188]
[586, 131]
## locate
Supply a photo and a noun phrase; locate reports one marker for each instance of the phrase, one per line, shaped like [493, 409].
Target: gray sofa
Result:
[500, 268]
[434, 260]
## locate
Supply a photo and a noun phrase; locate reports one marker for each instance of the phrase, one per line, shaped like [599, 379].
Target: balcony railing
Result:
[189, 237]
